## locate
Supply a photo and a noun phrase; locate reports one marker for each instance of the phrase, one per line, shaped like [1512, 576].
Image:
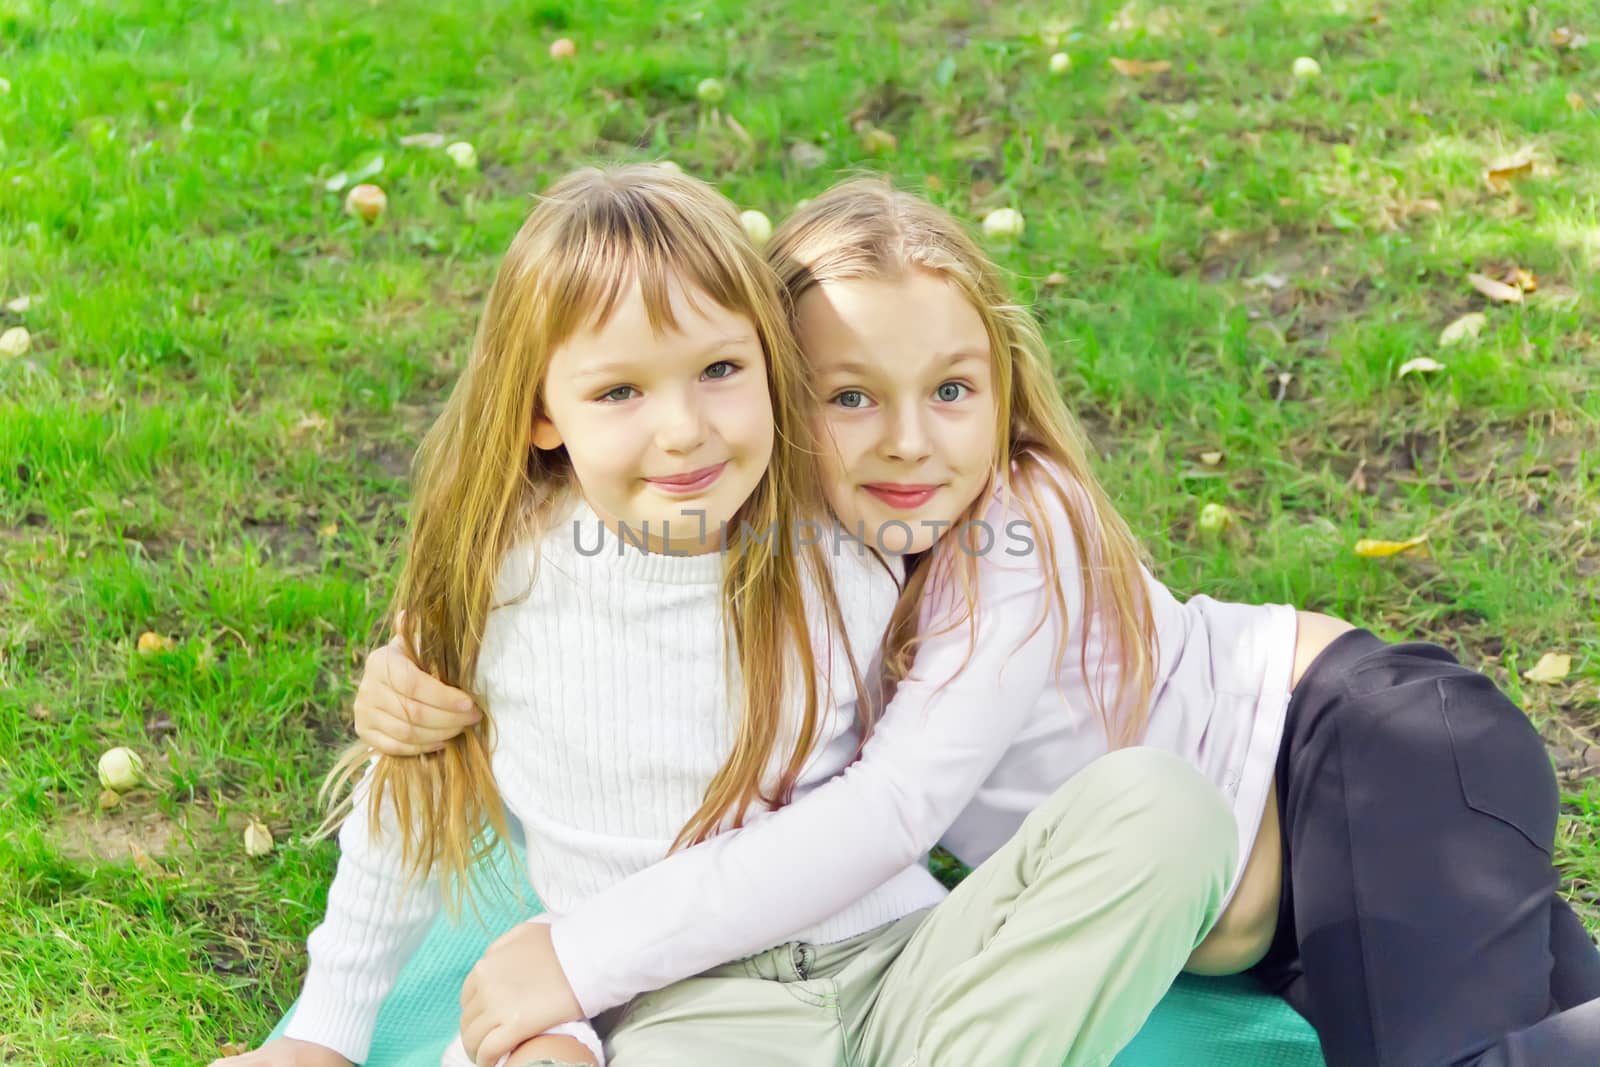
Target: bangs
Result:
[657, 232]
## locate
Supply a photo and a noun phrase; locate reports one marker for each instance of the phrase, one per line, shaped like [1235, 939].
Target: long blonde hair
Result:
[865, 229]
[480, 488]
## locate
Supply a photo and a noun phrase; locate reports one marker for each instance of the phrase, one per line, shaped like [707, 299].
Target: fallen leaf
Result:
[1211, 459]
[1551, 668]
[807, 156]
[1138, 68]
[257, 839]
[1522, 279]
[1372, 549]
[423, 140]
[108, 799]
[228, 1048]
[1506, 294]
[1465, 328]
[1420, 365]
[329, 531]
[1267, 281]
[141, 859]
[1561, 36]
[1500, 174]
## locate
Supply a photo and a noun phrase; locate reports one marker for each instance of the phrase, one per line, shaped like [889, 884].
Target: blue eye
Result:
[851, 398]
[726, 370]
[950, 392]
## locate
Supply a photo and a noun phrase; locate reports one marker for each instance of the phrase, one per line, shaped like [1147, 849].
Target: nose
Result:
[681, 423]
[908, 439]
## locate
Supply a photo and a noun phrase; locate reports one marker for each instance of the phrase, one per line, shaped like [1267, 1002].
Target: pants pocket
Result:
[1505, 772]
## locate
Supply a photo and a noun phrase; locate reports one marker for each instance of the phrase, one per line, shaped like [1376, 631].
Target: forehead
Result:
[689, 320]
[899, 321]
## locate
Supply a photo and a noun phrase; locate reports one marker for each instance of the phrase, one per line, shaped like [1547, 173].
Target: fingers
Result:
[499, 1042]
[414, 683]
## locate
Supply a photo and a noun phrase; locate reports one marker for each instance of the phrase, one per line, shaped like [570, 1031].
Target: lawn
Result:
[208, 435]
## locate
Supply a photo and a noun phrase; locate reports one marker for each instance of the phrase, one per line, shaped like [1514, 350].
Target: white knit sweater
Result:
[605, 677]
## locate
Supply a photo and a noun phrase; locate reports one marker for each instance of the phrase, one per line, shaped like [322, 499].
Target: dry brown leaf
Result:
[1138, 68]
[257, 839]
[1551, 668]
[1371, 549]
[1522, 279]
[1501, 173]
[1506, 294]
[228, 1048]
[1561, 36]
[1466, 327]
[108, 799]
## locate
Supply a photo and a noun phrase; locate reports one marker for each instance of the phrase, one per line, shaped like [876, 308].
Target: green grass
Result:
[210, 435]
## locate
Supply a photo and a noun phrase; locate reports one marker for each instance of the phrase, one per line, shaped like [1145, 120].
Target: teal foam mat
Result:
[1202, 1022]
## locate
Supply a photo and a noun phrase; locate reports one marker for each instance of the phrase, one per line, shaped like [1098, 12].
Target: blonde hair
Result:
[481, 488]
[864, 228]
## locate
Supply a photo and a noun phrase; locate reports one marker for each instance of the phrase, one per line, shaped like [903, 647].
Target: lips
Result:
[690, 482]
[904, 497]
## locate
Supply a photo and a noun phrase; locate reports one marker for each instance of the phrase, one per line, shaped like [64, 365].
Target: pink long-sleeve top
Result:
[989, 722]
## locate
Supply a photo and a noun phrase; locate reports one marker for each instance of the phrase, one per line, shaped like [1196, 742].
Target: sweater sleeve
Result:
[374, 922]
[950, 721]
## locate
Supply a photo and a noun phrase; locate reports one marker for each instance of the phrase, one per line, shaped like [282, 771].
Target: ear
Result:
[544, 435]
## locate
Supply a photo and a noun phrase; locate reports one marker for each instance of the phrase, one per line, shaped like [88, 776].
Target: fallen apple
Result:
[366, 202]
[1214, 518]
[120, 769]
[1003, 224]
[15, 341]
[757, 225]
[711, 90]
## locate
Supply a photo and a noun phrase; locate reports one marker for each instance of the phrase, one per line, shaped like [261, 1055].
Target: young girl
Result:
[1396, 812]
[613, 484]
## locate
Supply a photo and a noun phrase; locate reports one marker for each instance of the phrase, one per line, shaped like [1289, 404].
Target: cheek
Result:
[976, 441]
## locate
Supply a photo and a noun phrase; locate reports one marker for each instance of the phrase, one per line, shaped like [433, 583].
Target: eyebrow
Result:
[614, 368]
[855, 367]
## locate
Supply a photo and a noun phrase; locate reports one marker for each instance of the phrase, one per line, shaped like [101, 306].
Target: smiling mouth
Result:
[692, 482]
[902, 496]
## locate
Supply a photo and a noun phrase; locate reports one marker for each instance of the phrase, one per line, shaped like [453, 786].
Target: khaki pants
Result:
[1052, 952]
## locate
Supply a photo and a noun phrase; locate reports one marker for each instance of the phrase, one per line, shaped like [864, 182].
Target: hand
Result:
[401, 710]
[286, 1052]
[515, 992]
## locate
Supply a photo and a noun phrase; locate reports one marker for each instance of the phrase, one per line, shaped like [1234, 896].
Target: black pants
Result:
[1420, 924]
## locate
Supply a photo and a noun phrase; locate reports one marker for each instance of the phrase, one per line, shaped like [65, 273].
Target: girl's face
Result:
[667, 433]
[907, 422]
